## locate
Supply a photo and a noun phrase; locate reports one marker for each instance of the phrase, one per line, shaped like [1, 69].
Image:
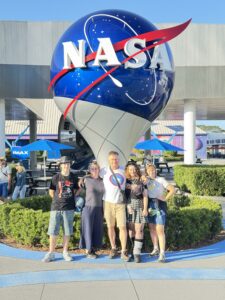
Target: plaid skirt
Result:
[136, 217]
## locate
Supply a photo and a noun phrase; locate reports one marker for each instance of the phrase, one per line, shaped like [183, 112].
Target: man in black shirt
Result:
[62, 191]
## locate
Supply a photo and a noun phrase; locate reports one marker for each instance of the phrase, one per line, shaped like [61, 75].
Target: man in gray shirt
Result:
[5, 178]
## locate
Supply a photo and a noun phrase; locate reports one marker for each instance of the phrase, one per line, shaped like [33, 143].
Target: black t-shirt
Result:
[138, 192]
[64, 187]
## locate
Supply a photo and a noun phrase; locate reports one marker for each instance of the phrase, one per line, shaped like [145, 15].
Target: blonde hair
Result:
[150, 166]
[20, 169]
[93, 163]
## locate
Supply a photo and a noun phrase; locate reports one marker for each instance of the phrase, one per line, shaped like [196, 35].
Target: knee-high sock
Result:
[137, 246]
[132, 242]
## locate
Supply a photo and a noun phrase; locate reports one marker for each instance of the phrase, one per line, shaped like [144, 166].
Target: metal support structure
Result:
[33, 138]
[189, 132]
[2, 127]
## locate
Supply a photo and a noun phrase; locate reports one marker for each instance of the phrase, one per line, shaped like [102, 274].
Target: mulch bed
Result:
[12, 243]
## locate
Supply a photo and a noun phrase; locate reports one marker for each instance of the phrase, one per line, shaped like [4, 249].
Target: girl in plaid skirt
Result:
[137, 208]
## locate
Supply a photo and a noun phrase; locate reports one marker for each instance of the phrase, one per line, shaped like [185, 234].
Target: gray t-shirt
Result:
[4, 172]
[94, 191]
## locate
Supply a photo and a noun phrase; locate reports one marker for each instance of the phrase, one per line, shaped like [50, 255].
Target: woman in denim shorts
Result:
[62, 191]
[159, 191]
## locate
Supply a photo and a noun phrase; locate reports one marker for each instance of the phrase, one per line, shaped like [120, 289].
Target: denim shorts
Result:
[158, 219]
[58, 217]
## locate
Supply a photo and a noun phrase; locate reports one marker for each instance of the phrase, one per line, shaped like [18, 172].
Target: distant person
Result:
[159, 191]
[62, 191]
[137, 208]
[92, 214]
[5, 179]
[20, 187]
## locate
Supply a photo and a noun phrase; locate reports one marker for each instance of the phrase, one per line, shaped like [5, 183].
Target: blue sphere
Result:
[144, 91]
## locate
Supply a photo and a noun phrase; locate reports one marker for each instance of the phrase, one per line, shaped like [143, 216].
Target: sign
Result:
[16, 152]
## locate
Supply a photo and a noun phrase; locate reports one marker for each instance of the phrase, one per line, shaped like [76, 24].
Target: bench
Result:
[163, 165]
[40, 188]
[198, 161]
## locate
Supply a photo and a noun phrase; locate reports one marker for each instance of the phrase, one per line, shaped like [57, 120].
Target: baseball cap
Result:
[2, 158]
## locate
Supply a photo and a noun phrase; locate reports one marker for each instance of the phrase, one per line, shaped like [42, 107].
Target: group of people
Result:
[124, 197]
[6, 181]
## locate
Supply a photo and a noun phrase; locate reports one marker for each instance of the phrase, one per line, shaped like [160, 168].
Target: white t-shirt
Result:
[112, 191]
[5, 171]
[156, 187]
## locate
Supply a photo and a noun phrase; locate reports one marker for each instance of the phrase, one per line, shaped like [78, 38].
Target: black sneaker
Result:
[137, 258]
[113, 253]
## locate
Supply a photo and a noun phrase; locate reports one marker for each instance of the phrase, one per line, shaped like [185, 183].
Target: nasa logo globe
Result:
[112, 73]
[142, 86]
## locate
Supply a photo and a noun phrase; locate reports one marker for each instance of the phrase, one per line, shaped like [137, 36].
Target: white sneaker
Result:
[162, 258]
[67, 256]
[50, 256]
[154, 252]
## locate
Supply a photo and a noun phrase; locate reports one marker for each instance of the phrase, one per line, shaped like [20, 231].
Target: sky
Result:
[201, 11]
[157, 11]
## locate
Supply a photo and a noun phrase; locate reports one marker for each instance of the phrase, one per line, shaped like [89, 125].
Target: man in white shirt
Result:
[114, 207]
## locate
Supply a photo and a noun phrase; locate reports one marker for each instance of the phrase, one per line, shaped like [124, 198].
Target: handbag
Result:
[122, 198]
[80, 200]
[79, 204]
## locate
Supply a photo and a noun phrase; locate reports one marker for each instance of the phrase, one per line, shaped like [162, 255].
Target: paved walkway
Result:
[189, 274]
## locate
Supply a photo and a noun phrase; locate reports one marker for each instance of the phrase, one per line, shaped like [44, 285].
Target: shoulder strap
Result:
[3, 173]
[119, 186]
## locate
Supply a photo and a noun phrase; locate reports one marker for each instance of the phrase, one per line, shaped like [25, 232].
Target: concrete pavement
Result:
[190, 274]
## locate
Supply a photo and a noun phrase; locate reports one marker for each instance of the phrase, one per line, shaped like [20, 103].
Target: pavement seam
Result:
[125, 264]
[42, 292]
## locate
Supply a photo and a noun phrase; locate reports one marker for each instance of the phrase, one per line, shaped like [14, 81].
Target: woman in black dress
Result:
[92, 214]
[137, 208]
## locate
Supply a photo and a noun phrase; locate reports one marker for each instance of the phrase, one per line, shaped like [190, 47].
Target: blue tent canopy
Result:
[156, 144]
[45, 145]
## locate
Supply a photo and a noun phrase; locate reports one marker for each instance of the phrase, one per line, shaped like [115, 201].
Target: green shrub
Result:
[189, 222]
[201, 180]
[36, 202]
[188, 226]
[4, 217]
[179, 201]
[169, 153]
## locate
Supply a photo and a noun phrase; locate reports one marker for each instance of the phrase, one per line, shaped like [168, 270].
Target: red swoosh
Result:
[149, 36]
[163, 35]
